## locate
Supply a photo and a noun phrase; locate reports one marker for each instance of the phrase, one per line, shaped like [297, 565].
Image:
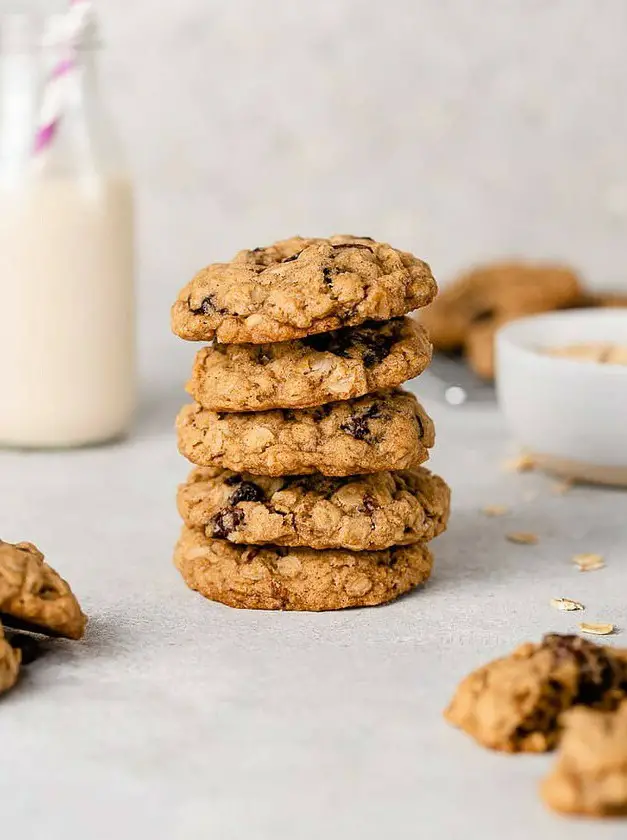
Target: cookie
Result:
[480, 349]
[9, 664]
[300, 287]
[275, 578]
[590, 775]
[370, 512]
[321, 368]
[388, 430]
[468, 310]
[514, 703]
[32, 595]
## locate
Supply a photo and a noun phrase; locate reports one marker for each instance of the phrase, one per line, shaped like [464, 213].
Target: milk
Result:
[67, 355]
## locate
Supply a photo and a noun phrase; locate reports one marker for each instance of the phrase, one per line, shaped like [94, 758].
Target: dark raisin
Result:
[599, 670]
[249, 553]
[372, 341]
[248, 491]
[292, 258]
[225, 522]
[327, 276]
[358, 424]
[321, 412]
[288, 414]
[353, 245]
[369, 505]
[208, 307]
[376, 343]
[257, 250]
[232, 480]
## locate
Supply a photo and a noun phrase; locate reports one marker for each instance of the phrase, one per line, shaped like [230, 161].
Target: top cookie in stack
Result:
[309, 346]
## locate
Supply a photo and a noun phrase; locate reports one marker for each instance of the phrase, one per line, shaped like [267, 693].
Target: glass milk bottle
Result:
[67, 344]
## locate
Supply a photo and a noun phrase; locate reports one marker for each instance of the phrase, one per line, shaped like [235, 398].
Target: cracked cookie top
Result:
[275, 578]
[370, 512]
[388, 430]
[321, 368]
[33, 595]
[514, 703]
[301, 287]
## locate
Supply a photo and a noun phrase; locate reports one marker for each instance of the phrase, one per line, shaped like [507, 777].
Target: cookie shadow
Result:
[475, 549]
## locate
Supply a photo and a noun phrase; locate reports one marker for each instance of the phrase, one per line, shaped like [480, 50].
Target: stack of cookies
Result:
[307, 492]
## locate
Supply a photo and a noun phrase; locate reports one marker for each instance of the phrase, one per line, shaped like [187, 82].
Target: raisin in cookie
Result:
[367, 512]
[388, 430]
[590, 775]
[33, 595]
[468, 312]
[9, 664]
[300, 287]
[337, 365]
[275, 578]
[514, 704]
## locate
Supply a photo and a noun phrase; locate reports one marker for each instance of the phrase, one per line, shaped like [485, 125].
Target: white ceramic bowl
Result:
[571, 415]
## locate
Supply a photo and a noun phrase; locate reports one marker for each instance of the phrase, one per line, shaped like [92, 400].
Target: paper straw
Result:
[68, 32]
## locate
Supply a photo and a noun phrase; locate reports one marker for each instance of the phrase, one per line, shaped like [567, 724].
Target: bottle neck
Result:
[38, 86]
[48, 77]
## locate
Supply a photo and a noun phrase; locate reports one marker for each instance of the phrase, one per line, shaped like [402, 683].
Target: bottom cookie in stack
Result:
[270, 577]
[368, 535]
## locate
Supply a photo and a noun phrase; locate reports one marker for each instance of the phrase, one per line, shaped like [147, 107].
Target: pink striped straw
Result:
[76, 19]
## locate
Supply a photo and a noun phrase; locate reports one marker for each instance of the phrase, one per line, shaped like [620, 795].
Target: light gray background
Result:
[460, 129]
[457, 129]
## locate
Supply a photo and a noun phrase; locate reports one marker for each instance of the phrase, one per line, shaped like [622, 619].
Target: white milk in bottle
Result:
[67, 354]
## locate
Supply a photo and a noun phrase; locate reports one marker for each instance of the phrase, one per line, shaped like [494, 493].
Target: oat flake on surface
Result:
[596, 629]
[588, 562]
[522, 538]
[495, 510]
[566, 604]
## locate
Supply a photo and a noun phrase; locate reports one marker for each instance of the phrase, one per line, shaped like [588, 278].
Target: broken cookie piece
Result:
[514, 704]
[9, 664]
[33, 596]
[590, 775]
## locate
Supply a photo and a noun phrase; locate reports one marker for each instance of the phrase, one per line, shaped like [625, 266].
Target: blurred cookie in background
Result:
[468, 313]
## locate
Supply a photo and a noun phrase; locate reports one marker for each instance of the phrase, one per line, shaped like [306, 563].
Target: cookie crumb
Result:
[522, 463]
[588, 562]
[596, 629]
[522, 538]
[495, 510]
[566, 604]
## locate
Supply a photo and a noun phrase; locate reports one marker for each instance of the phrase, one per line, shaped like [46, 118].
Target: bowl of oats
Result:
[562, 387]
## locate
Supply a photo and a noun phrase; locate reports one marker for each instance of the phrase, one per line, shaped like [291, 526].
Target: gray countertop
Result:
[179, 718]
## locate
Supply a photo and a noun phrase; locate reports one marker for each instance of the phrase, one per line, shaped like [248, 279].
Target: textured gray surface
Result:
[459, 129]
[181, 719]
